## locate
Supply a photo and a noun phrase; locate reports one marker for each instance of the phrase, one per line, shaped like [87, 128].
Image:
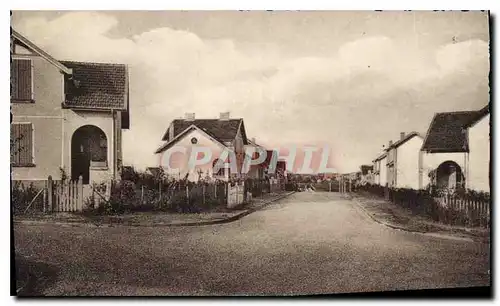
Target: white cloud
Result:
[355, 99]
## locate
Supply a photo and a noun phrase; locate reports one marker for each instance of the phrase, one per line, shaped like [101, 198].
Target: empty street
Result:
[308, 243]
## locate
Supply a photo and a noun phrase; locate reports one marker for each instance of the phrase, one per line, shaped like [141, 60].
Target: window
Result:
[21, 71]
[21, 145]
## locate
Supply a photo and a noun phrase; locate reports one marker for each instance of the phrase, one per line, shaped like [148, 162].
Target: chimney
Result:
[402, 135]
[253, 139]
[224, 116]
[390, 143]
[189, 116]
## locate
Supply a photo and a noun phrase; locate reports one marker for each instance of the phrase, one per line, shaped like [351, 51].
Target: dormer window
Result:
[21, 76]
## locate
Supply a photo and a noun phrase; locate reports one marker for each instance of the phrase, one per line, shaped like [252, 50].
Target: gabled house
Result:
[216, 135]
[403, 157]
[380, 169]
[455, 152]
[67, 117]
[256, 171]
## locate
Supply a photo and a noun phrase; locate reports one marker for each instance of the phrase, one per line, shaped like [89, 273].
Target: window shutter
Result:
[21, 89]
[22, 144]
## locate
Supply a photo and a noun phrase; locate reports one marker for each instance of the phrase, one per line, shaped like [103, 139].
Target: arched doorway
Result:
[88, 145]
[449, 175]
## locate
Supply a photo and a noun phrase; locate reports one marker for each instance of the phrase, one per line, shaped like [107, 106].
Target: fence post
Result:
[329, 186]
[80, 193]
[45, 198]
[108, 190]
[187, 194]
[50, 193]
[203, 188]
[142, 194]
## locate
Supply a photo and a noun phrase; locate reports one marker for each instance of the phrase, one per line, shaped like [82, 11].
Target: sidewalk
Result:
[397, 217]
[154, 218]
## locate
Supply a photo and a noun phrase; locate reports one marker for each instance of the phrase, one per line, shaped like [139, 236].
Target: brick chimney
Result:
[390, 143]
[224, 116]
[402, 134]
[189, 116]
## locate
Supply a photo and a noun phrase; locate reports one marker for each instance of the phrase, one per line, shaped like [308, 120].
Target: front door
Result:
[80, 159]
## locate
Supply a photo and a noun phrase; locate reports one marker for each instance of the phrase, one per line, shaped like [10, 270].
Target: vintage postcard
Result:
[250, 153]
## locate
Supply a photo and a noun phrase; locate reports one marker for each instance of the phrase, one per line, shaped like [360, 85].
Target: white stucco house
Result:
[67, 117]
[455, 152]
[215, 135]
[403, 161]
[380, 169]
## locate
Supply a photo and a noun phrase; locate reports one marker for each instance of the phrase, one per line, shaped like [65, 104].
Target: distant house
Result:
[367, 176]
[255, 171]
[67, 117]
[216, 135]
[403, 161]
[455, 152]
[380, 169]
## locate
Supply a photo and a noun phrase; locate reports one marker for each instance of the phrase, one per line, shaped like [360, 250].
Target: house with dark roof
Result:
[402, 161]
[455, 151]
[215, 144]
[67, 117]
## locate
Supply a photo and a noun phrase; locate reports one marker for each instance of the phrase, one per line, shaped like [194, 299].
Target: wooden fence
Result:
[49, 196]
[64, 196]
[455, 209]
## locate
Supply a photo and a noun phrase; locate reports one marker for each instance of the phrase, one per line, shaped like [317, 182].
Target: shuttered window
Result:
[21, 80]
[21, 144]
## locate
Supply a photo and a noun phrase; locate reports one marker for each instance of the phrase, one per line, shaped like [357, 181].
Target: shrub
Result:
[22, 196]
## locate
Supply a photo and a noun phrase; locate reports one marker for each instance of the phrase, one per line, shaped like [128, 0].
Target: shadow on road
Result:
[33, 277]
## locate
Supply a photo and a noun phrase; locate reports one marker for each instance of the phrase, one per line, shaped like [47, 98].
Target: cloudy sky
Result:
[352, 80]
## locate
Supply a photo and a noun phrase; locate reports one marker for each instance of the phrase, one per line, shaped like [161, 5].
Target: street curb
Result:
[402, 228]
[201, 223]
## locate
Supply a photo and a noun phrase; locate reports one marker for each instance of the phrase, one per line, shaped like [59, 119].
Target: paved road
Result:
[308, 243]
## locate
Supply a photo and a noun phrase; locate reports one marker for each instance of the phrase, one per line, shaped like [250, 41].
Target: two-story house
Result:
[67, 117]
[380, 169]
[403, 160]
[216, 136]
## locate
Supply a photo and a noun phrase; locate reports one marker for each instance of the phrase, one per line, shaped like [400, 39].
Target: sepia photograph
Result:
[250, 153]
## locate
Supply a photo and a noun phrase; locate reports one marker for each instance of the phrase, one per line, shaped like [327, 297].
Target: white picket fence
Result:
[235, 195]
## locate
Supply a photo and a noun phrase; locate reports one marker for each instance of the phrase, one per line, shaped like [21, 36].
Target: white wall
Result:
[430, 161]
[177, 165]
[479, 155]
[383, 171]
[74, 120]
[407, 166]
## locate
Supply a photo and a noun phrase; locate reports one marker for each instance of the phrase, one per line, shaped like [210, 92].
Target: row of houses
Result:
[67, 120]
[454, 153]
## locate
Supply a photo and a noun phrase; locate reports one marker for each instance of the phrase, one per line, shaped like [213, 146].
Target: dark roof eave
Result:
[66, 106]
[445, 150]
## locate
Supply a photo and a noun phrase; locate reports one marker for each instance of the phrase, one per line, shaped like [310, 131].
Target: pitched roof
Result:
[96, 86]
[18, 38]
[405, 139]
[381, 156]
[480, 114]
[447, 131]
[222, 130]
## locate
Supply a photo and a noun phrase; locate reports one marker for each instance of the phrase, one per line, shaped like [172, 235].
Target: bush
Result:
[22, 196]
